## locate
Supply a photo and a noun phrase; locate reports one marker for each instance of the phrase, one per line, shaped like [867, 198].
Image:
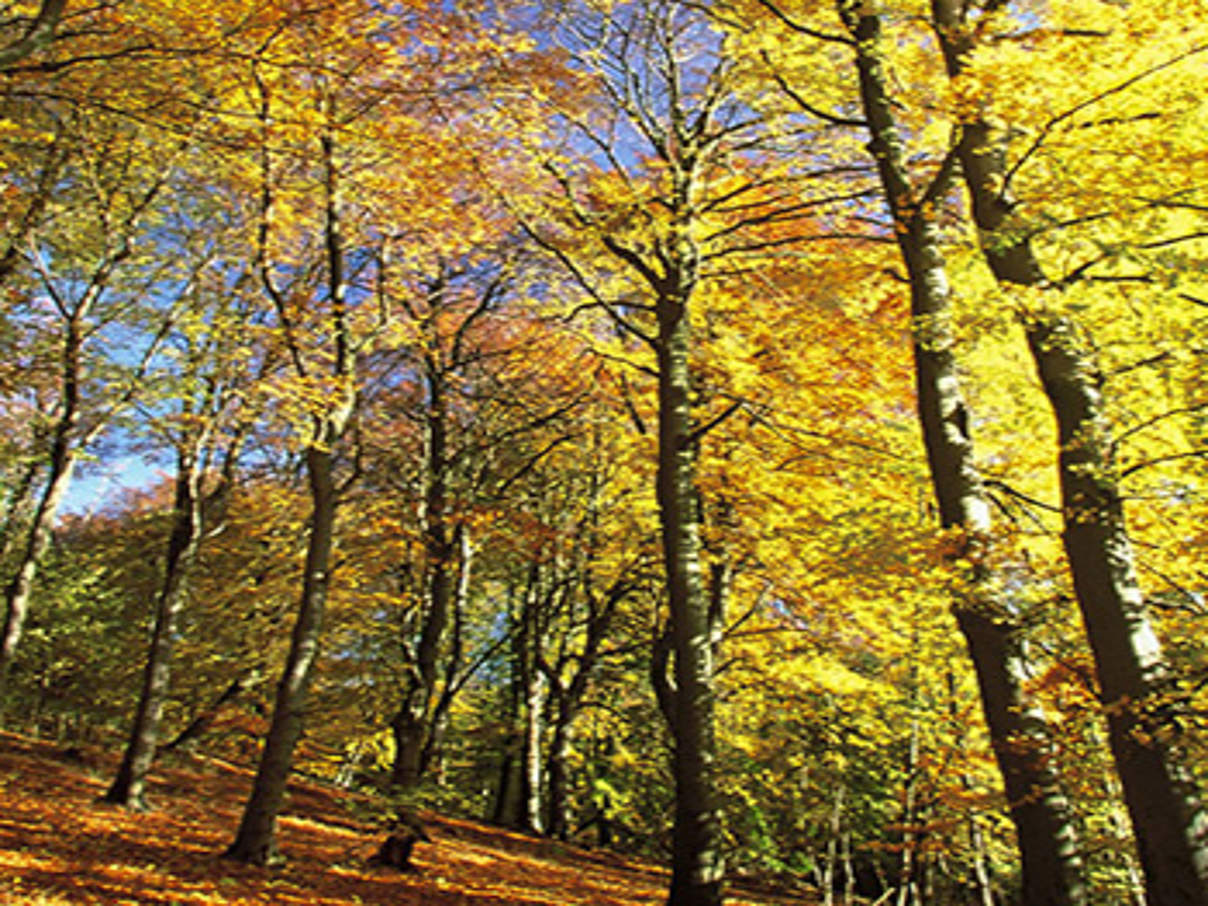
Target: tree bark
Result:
[412, 723]
[129, 786]
[1168, 819]
[697, 862]
[255, 841]
[1051, 862]
[63, 455]
[40, 33]
[531, 820]
[198, 726]
[1163, 802]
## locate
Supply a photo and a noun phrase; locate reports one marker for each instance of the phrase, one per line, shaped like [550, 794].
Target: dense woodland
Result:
[770, 437]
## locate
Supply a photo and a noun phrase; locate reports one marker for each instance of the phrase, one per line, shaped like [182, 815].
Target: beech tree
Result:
[94, 272]
[1132, 670]
[206, 437]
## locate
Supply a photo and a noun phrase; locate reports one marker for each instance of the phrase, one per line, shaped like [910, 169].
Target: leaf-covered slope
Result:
[59, 845]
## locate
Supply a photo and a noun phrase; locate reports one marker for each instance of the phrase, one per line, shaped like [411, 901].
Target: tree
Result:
[95, 272]
[38, 33]
[993, 633]
[1167, 815]
[367, 108]
[204, 441]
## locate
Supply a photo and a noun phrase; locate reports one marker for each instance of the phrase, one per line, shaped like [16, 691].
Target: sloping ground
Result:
[59, 845]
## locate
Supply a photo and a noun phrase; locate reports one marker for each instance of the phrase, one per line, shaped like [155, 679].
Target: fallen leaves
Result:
[59, 845]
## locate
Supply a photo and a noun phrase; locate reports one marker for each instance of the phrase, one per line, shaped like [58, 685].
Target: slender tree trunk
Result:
[1163, 802]
[508, 796]
[412, 723]
[1051, 863]
[19, 507]
[63, 455]
[129, 785]
[557, 811]
[432, 757]
[697, 861]
[198, 726]
[528, 706]
[255, 841]
[531, 820]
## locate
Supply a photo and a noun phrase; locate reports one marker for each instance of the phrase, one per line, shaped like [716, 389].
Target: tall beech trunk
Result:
[697, 866]
[557, 802]
[526, 682]
[1162, 800]
[255, 841]
[19, 589]
[531, 819]
[129, 786]
[1051, 863]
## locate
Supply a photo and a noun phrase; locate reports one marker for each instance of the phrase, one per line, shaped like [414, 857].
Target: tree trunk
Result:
[432, 758]
[20, 588]
[1051, 863]
[557, 806]
[128, 787]
[1162, 799]
[412, 723]
[19, 506]
[528, 705]
[1168, 819]
[255, 841]
[697, 862]
[531, 821]
[198, 726]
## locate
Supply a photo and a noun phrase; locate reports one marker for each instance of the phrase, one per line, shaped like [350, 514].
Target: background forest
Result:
[771, 437]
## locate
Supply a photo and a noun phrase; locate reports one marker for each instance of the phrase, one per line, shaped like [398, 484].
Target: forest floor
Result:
[60, 845]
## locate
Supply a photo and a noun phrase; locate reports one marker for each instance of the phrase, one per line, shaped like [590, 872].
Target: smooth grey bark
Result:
[697, 866]
[64, 451]
[533, 699]
[1168, 818]
[1163, 801]
[526, 680]
[1045, 830]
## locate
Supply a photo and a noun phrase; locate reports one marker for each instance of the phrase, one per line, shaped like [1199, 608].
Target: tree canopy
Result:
[766, 436]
